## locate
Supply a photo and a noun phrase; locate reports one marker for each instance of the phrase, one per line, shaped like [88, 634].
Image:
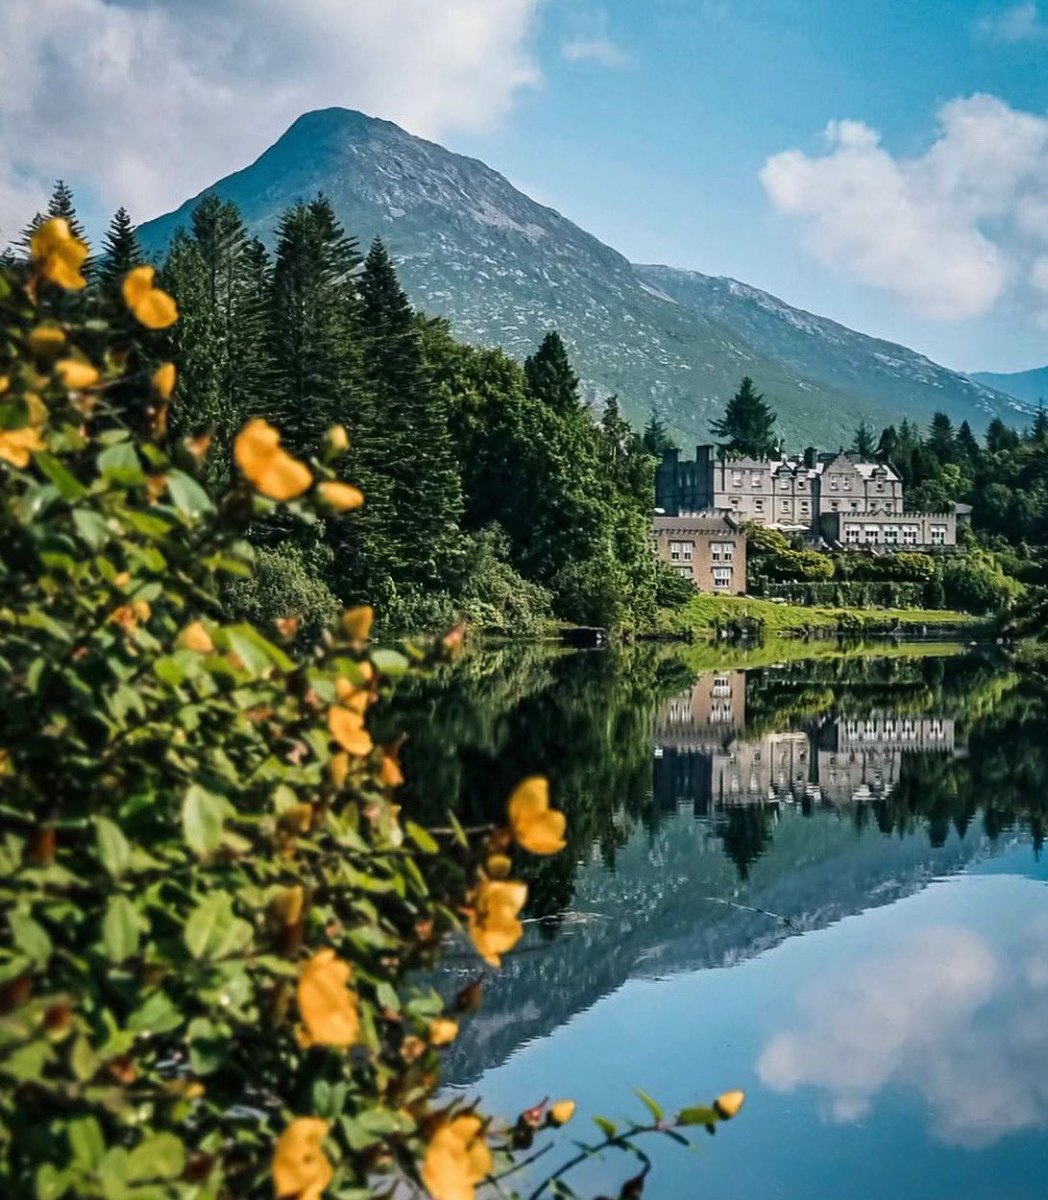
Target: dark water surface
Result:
[819, 881]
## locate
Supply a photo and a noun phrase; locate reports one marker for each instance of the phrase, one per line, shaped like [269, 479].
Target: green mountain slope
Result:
[505, 269]
[1029, 387]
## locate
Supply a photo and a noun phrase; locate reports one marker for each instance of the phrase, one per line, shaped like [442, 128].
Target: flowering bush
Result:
[212, 901]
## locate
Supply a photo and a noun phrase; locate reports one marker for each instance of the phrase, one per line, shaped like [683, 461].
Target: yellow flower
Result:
[498, 866]
[272, 471]
[443, 1031]
[457, 1159]
[390, 773]
[336, 440]
[45, 341]
[561, 1112]
[152, 307]
[328, 1006]
[535, 826]
[347, 728]
[492, 920]
[195, 637]
[164, 378]
[301, 1170]
[58, 255]
[728, 1104]
[342, 497]
[17, 444]
[338, 768]
[77, 375]
[286, 905]
[356, 622]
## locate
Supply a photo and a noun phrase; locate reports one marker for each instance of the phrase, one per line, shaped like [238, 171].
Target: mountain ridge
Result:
[504, 269]
[1029, 387]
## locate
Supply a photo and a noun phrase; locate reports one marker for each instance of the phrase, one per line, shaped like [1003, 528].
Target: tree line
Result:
[492, 492]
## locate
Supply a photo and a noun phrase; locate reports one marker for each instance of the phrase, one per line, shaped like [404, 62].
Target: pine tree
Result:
[120, 251]
[887, 444]
[1039, 432]
[551, 377]
[656, 440]
[967, 445]
[863, 444]
[941, 439]
[406, 456]
[61, 204]
[999, 437]
[748, 425]
[314, 326]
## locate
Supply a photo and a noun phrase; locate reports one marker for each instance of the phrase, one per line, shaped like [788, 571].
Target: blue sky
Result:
[881, 162]
[656, 146]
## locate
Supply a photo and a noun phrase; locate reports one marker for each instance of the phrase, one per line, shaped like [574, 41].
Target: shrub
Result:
[214, 909]
[977, 584]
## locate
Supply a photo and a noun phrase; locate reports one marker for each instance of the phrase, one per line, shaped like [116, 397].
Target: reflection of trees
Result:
[585, 720]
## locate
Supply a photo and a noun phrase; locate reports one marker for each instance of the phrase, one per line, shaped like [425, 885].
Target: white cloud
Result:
[590, 40]
[148, 101]
[949, 231]
[944, 1014]
[1019, 23]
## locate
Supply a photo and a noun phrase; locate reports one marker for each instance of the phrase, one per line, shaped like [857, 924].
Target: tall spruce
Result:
[863, 443]
[220, 340]
[551, 377]
[120, 253]
[656, 439]
[313, 326]
[412, 536]
[747, 429]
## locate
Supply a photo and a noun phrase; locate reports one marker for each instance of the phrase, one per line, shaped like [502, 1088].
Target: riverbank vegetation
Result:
[216, 911]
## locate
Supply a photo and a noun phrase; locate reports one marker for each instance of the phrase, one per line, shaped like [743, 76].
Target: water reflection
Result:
[791, 823]
[945, 1013]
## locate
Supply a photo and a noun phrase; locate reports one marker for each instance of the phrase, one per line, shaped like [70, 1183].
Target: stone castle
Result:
[834, 499]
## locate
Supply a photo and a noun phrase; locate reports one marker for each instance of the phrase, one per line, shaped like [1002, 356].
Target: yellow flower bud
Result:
[45, 341]
[728, 1104]
[336, 440]
[561, 1112]
[77, 375]
[442, 1031]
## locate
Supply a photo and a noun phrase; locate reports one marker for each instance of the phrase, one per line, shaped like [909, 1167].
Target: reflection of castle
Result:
[704, 761]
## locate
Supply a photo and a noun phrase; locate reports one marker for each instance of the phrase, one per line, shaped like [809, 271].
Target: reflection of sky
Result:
[944, 1012]
[870, 1052]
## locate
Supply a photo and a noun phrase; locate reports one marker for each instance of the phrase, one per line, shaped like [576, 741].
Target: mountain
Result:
[1030, 387]
[505, 269]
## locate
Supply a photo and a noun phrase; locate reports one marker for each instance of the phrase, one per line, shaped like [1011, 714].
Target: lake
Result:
[819, 881]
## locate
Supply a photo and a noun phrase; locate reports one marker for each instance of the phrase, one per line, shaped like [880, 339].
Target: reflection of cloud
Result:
[943, 1014]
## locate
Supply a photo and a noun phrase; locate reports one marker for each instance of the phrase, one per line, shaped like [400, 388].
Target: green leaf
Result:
[119, 464]
[30, 938]
[697, 1115]
[422, 838]
[112, 1172]
[608, 1128]
[86, 1142]
[50, 1182]
[208, 1045]
[159, 1157]
[83, 1060]
[120, 929]
[213, 929]
[113, 847]
[202, 815]
[157, 1015]
[91, 527]
[67, 485]
[187, 495]
[651, 1105]
[390, 662]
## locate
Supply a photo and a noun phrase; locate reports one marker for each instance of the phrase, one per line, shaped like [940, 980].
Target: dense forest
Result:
[493, 493]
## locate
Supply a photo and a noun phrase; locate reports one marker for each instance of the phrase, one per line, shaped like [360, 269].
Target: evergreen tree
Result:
[221, 339]
[863, 444]
[941, 439]
[1039, 432]
[120, 252]
[314, 325]
[406, 456]
[967, 445]
[887, 444]
[551, 377]
[656, 440]
[999, 437]
[748, 425]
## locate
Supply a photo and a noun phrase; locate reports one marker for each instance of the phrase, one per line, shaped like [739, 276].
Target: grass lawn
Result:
[704, 613]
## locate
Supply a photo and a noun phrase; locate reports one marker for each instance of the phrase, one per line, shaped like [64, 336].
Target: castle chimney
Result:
[811, 457]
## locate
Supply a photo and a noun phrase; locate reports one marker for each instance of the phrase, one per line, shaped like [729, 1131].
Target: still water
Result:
[819, 882]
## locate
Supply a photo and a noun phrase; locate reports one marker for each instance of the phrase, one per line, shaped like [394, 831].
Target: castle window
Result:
[851, 533]
[722, 577]
[722, 551]
[938, 535]
[891, 535]
[681, 550]
[736, 479]
[721, 685]
[909, 535]
[756, 480]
